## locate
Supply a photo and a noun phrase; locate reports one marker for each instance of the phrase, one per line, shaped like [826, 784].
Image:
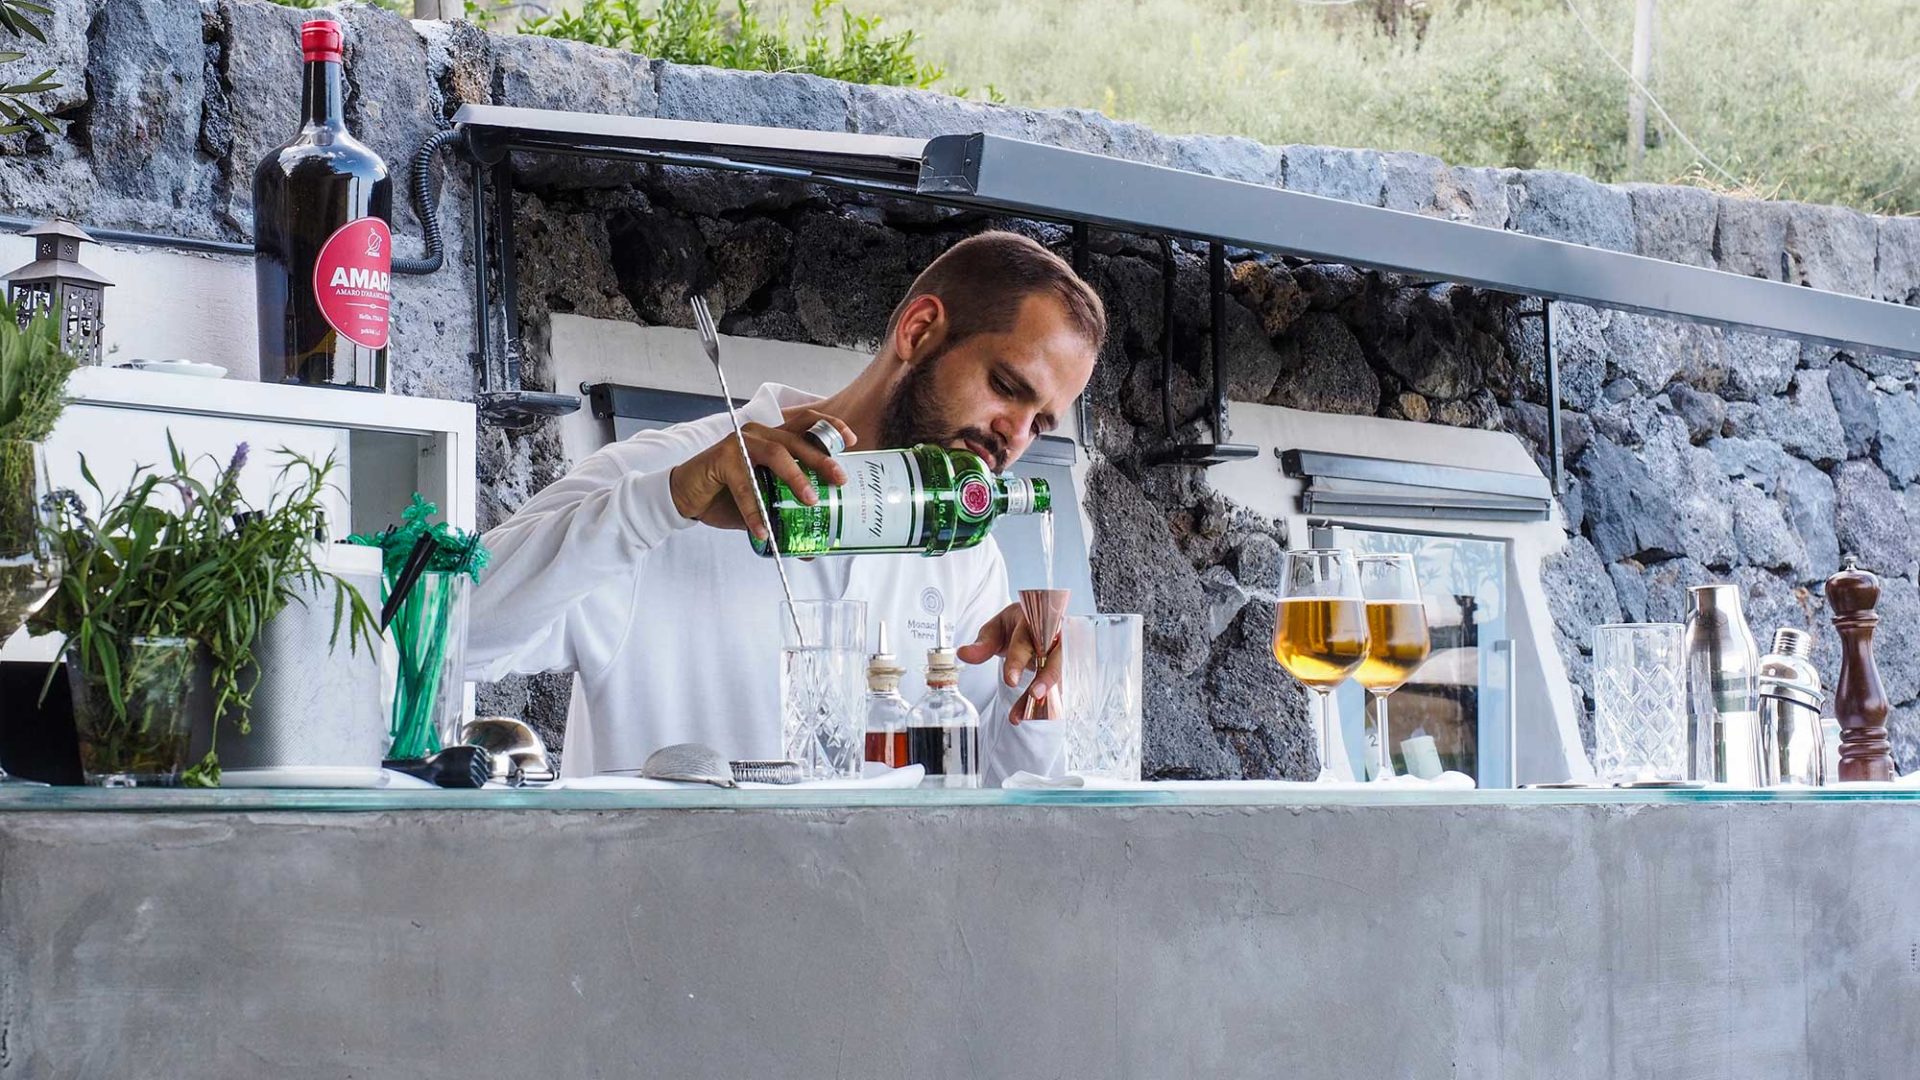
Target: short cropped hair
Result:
[983, 279]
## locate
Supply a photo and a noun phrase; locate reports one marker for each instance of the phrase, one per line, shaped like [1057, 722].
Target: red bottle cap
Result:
[320, 39]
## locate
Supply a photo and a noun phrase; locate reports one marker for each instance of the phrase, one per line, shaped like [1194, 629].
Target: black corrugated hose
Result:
[421, 188]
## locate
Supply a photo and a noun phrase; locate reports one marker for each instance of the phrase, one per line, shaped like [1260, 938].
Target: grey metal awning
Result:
[992, 172]
[833, 157]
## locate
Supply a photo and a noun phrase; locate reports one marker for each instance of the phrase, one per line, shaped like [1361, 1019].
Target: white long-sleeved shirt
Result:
[671, 628]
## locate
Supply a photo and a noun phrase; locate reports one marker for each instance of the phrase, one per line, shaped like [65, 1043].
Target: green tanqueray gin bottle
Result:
[928, 499]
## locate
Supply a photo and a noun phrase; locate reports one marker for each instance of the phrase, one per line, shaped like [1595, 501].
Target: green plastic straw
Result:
[421, 634]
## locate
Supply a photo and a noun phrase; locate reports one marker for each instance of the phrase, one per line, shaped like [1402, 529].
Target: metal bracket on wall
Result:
[1205, 455]
[1556, 468]
[496, 320]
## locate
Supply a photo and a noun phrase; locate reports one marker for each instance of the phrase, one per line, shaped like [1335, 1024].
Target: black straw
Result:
[416, 565]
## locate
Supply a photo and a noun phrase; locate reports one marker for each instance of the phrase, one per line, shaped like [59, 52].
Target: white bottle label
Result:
[877, 507]
[1019, 494]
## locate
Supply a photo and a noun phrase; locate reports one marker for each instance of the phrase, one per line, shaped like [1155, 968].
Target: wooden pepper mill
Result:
[1858, 702]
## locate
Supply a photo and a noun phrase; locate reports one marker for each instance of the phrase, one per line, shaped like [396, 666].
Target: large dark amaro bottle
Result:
[323, 254]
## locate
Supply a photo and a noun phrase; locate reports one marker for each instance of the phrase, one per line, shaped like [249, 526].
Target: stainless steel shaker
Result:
[1723, 705]
[1792, 741]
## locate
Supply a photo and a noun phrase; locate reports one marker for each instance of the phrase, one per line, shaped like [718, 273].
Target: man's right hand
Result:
[715, 487]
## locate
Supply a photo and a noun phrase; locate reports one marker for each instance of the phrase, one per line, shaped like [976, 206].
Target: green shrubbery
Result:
[700, 32]
[17, 114]
[1794, 99]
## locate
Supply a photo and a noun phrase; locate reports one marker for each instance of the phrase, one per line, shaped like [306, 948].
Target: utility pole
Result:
[1642, 71]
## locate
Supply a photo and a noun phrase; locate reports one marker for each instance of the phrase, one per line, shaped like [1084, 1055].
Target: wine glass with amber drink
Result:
[1320, 632]
[1397, 642]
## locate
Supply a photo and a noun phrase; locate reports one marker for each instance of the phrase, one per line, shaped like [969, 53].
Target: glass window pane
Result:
[1462, 695]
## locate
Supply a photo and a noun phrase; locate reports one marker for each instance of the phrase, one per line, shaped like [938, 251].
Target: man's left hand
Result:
[1007, 635]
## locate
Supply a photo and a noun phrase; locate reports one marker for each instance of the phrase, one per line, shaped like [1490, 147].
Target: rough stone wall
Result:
[1693, 454]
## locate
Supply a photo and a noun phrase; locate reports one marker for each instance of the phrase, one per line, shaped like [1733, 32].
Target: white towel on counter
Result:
[908, 777]
[1446, 781]
[396, 781]
[1911, 780]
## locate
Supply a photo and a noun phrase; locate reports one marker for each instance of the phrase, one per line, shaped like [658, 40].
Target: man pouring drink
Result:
[637, 571]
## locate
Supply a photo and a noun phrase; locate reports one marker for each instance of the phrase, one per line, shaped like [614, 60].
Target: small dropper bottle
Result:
[943, 731]
[886, 710]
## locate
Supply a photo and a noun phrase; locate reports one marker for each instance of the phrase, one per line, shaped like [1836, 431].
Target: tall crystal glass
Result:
[29, 570]
[1103, 658]
[1640, 703]
[1397, 642]
[823, 686]
[1320, 632]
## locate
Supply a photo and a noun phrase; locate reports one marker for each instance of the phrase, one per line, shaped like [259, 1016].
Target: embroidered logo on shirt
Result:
[931, 601]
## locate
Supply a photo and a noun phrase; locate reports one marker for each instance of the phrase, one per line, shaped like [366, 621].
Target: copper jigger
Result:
[1045, 609]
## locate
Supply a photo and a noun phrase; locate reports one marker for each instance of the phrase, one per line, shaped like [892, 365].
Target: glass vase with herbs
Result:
[177, 570]
[33, 379]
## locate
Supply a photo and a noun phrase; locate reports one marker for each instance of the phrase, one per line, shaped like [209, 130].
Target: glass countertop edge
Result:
[308, 800]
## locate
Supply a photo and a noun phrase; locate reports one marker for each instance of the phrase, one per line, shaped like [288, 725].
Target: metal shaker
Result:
[1723, 701]
[1792, 740]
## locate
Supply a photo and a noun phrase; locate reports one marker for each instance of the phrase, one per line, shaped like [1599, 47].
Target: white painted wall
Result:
[169, 305]
[668, 358]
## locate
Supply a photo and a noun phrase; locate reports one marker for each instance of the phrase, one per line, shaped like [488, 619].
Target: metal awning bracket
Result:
[1219, 451]
[1556, 468]
[497, 355]
[487, 146]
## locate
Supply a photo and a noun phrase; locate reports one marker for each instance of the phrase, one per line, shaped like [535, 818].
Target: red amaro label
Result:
[353, 281]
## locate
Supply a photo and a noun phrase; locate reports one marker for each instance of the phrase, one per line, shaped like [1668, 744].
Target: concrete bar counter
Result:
[1258, 933]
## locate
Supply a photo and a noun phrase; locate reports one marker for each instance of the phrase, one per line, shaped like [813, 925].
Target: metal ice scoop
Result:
[516, 749]
[689, 761]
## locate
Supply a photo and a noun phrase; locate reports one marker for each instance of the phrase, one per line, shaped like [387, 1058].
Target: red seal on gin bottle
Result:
[975, 497]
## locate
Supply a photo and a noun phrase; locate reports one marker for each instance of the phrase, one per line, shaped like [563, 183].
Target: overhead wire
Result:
[1641, 88]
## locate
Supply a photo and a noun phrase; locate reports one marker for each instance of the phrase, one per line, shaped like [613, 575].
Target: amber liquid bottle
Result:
[323, 254]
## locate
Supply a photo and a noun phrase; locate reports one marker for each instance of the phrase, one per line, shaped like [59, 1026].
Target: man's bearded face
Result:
[918, 413]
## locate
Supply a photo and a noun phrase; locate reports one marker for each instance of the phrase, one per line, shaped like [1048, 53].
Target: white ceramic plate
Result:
[179, 367]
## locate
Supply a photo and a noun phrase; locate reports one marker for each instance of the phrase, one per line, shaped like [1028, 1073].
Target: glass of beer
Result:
[1397, 643]
[1320, 632]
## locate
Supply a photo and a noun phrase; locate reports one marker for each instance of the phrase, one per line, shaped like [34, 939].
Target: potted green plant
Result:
[176, 570]
[33, 379]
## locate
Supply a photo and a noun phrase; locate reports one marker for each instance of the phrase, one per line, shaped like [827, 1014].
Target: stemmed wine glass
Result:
[1320, 632]
[1397, 642]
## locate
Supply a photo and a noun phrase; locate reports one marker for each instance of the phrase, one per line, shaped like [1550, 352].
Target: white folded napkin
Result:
[393, 780]
[1024, 779]
[1447, 781]
[878, 776]
[884, 777]
[1910, 781]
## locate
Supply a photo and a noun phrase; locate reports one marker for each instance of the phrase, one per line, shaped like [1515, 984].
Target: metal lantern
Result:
[55, 281]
